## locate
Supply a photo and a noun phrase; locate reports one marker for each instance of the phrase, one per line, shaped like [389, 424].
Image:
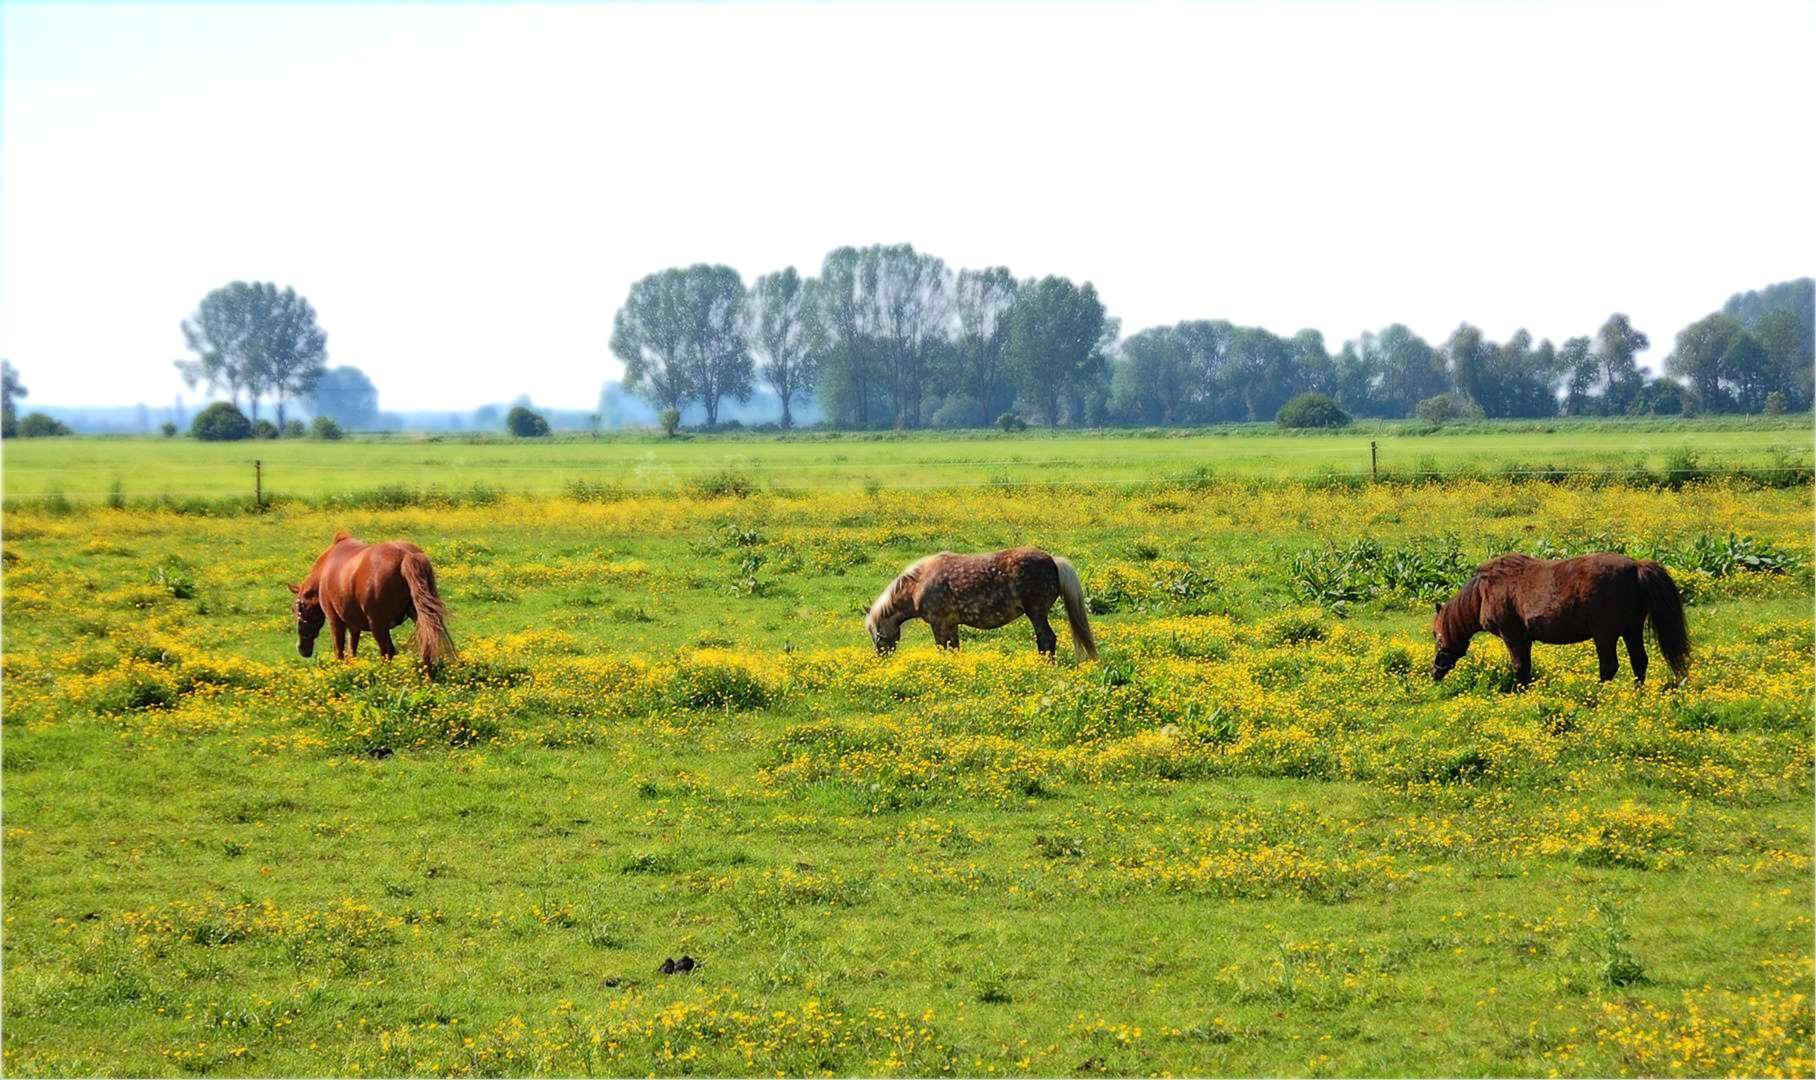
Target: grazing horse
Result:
[355, 587]
[1561, 602]
[985, 591]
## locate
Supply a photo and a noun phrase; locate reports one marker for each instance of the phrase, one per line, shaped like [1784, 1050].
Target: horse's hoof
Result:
[685, 964]
[668, 966]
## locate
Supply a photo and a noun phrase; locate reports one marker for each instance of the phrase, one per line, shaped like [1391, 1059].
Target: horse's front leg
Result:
[1520, 650]
[383, 637]
[1044, 638]
[945, 632]
[340, 637]
[1604, 651]
[353, 641]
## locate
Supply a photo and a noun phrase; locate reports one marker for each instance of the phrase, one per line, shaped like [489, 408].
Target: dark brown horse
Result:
[985, 591]
[375, 587]
[1604, 598]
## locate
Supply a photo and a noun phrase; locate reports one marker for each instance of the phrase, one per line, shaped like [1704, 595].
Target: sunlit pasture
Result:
[1253, 838]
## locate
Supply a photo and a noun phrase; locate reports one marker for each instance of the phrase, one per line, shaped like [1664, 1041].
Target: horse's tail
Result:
[1667, 609]
[431, 640]
[1072, 591]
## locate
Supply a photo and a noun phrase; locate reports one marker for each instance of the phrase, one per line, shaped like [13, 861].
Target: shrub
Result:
[294, 429]
[1775, 403]
[264, 429]
[1444, 407]
[221, 422]
[39, 426]
[525, 423]
[671, 420]
[1311, 411]
[323, 427]
[169, 429]
[956, 412]
[1011, 421]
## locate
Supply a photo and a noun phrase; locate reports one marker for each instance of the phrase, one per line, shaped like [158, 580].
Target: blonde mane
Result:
[886, 599]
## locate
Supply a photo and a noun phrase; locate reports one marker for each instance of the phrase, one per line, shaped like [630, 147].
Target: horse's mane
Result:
[896, 590]
[1459, 617]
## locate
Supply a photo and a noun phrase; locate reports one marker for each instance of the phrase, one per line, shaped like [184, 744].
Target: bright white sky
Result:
[466, 192]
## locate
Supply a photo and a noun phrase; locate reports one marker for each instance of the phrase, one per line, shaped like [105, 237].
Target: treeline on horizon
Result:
[886, 336]
[889, 337]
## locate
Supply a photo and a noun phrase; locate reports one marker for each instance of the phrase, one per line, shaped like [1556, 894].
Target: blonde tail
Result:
[431, 640]
[1072, 591]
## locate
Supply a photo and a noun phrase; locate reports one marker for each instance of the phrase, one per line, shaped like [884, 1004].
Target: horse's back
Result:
[1562, 601]
[990, 589]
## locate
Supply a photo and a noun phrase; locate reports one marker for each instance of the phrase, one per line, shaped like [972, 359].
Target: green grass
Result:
[1253, 839]
[91, 469]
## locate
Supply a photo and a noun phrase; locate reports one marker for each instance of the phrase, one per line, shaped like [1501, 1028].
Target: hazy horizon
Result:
[465, 193]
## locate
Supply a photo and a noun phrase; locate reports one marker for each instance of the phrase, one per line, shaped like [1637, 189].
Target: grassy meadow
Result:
[141, 470]
[1253, 838]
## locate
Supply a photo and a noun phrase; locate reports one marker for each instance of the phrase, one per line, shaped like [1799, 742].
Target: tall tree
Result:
[712, 320]
[220, 335]
[650, 335]
[1699, 357]
[346, 396]
[1153, 383]
[287, 351]
[1055, 341]
[981, 303]
[1617, 345]
[1581, 370]
[1317, 372]
[1471, 359]
[1263, 372]
[1782, 317]
[782, 328]
[1356, 375]
[848, 326]
[10, 389]
[1410, 370]
[1787, 344]
[911, 295]
[1205, 345]
[1746, 370]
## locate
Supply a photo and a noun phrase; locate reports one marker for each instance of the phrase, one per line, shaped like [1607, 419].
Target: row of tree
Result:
[889, 336]
[886, 335]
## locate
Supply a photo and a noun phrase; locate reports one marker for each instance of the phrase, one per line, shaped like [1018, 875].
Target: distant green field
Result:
[88, 469]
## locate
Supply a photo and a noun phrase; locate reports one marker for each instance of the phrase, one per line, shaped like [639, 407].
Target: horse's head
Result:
[1450, 646]
[883, 634]
[309, 618]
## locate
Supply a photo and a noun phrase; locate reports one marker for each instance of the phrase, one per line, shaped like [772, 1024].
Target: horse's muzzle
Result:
[305, 647]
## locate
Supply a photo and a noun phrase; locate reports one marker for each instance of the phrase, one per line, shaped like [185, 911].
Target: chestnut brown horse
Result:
[375, 587]
[985, 591]
[1604, 598]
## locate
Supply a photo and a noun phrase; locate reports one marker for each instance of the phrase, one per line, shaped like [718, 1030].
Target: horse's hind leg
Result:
[383, 637]
[1044, 638]
[1604, 651]
[1636, 650]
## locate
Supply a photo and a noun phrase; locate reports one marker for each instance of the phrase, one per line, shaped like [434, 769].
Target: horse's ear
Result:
[342, 534]
[1437, 607]
[295, 590]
